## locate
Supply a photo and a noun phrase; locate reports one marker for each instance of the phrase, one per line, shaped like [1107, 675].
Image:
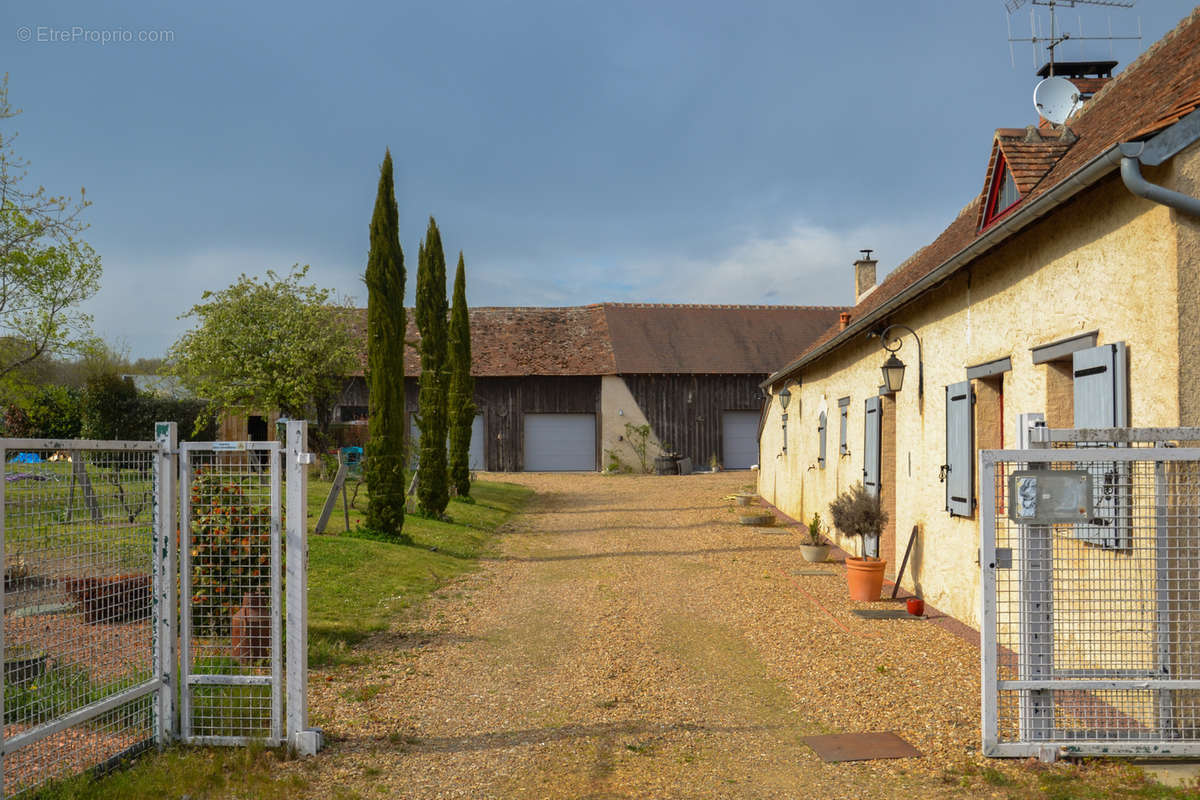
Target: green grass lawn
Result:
[357, 586]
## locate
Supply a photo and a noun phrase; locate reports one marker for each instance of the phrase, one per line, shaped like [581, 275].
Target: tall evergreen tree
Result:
[383, 467]
[433, 493]
[461, 405]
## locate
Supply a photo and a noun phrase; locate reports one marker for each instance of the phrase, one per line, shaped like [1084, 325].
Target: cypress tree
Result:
[433, 494]
[383, 467]
[462, 386]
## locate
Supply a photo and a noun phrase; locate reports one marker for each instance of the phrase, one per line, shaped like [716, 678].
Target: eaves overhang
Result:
[1160, 147]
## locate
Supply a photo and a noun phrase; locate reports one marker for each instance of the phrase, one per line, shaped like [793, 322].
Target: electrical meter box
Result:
[1050, 497]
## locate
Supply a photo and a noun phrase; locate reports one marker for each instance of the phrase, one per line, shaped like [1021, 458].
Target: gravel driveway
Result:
[631, 640]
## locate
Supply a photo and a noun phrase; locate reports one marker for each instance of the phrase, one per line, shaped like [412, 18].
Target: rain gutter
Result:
[1127, 156]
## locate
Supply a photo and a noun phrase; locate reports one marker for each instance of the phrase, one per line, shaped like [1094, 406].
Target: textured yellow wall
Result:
[1105, 261]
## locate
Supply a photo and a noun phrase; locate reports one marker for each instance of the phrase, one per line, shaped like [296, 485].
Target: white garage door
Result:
[474, 455]
[739, 439]
[560, 442]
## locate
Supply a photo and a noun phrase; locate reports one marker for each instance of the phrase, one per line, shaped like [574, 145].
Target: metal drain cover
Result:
[860, 746]
[811, 572]
[884, 613]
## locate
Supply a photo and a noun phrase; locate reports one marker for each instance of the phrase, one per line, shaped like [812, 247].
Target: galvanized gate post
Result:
[165, 626]
[1036, 654]
[305, 740]
[988, 655]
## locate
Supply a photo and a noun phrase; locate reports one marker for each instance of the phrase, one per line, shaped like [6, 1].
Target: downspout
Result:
[1131, 174]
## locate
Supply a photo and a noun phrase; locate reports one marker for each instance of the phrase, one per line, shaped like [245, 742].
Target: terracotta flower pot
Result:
[864, 578]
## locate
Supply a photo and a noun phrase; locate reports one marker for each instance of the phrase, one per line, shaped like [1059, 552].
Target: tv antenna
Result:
[1058, 36]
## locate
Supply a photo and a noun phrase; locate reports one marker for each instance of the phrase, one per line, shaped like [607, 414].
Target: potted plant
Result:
[814, 548]
[855, 512]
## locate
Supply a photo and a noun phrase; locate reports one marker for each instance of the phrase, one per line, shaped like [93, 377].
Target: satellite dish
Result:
[1056, 99]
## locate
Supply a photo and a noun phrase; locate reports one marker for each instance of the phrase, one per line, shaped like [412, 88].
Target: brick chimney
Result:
[864, 276]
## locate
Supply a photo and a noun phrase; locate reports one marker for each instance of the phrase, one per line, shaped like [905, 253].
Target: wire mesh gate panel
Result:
[82, 677]
[1091, 611]
[231, 567]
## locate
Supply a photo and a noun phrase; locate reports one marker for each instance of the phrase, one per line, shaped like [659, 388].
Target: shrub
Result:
[230, 550]
[55, 412]
[857, 513]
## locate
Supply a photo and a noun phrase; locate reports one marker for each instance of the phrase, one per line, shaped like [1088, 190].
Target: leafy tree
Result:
[55, 413]
[461, 406]
[51, 412]
[111, 407]
[433, 494]
[45, 270]
[273, 344]
[383, 467]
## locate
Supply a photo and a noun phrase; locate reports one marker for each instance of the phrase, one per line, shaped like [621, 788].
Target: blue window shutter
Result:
[872, 428]
[843, 445]
[1101, 383]
[960, 450]
[821, 435]
[1101, 387]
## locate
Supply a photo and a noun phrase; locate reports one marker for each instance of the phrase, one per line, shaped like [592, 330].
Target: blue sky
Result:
[577, 152]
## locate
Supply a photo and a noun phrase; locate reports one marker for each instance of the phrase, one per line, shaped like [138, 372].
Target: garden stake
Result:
[899, 575]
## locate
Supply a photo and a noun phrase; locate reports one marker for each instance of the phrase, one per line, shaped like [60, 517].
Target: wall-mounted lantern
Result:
[893, 368]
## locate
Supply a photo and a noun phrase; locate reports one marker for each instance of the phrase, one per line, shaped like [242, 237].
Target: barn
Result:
[557, 387]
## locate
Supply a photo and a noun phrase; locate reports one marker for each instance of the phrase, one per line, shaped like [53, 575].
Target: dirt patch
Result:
[632, 639]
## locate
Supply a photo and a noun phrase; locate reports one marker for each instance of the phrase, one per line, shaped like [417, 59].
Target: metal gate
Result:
[231, 668]
[90, 622]
[1091, 644]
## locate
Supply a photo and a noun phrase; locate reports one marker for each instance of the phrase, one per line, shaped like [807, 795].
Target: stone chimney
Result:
[864, 276]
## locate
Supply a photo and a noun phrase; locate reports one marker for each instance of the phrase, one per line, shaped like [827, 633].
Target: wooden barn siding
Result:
[354, 393]
[684, 411]
[504, 402]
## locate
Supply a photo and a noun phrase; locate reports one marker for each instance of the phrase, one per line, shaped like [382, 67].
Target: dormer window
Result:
[1002, 194]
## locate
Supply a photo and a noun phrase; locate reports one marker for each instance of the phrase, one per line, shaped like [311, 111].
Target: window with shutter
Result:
[844, 408]
[872, 428]
[1101, 391]
[960, 447]
[821, 438]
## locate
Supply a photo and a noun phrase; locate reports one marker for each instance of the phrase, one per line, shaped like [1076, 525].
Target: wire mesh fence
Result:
[232, 574]
[1091, 609]
[78, 638]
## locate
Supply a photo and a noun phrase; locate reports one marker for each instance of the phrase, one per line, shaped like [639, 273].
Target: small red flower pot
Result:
[916, 606]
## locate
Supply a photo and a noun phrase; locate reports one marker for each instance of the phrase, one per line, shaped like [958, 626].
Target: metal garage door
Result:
[560, 442]
[739, 439]
[474, 455]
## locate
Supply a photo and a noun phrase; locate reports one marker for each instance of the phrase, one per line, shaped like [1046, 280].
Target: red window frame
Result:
[990, 212]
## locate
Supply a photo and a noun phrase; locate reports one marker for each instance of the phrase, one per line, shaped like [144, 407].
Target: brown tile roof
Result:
[617, 338]
[1149, 95]
[673, 339]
